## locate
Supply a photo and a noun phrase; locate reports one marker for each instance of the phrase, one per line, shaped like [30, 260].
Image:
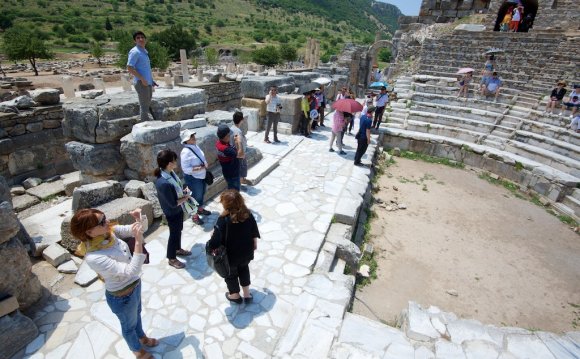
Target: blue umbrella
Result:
[379, 85]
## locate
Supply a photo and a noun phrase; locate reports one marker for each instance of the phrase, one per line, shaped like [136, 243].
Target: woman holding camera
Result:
[110, 257]
[238, 231]
[174, 201]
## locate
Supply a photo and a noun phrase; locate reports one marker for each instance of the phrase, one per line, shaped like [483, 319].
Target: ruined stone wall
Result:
[551, 14]
[222, 95]
[32, 144]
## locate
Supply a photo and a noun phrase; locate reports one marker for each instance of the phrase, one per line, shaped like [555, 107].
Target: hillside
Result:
[237, 24]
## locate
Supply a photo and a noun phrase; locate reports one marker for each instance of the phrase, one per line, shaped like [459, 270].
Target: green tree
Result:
[267, 55]
[97, 51]
[174, 39]
[21, 43]
[108, 25]
[288, 53]
[211, 56]
[158, 54]
[385, 54]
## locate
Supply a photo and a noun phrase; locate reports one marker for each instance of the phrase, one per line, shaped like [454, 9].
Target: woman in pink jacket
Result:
[338, 123]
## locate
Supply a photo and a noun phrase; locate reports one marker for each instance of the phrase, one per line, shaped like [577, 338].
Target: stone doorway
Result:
[528, 17]
[372, 54]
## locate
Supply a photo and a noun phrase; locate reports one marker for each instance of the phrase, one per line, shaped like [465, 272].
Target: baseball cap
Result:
[223, 131]
[186, 135]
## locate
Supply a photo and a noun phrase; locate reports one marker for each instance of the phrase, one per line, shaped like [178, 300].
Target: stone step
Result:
[573, 204]
[262, 169]
[462, 111]
[338, 266]
[576, 194]
[44, 227]
[454, 121]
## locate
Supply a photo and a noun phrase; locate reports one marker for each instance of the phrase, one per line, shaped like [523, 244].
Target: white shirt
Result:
[190, 160]
[382, 99]
[115, 264]
[272, 102]
[235, 130]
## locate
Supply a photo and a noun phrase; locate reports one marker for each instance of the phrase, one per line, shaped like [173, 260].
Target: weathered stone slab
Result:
[68, 267]
[339, 234]
[31, 182]
[45, 96]
[55, 255]
[85, 275]
[150, 193]
[259, 104]
[133, 188]
[71, 181]
[17, 190]
[20, 203]
[47, 190]
[347, 210]
[470, 27]
[94, 194]
[253, 119]
[261, 170]
[418, 324]
[16, 331]
[258, 86]
[96, 159]
[154, 132]
[142, 159]
[303, 78]
[44, 227]
[218, 117]
[17, 277]
[193, 123]
[527, 346]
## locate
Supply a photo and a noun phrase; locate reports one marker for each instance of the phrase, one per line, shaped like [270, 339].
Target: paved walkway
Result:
[186, 309]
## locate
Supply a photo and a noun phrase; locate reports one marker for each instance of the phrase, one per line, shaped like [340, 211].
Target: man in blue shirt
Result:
[139, 66]
[363, 136]
[492, 86]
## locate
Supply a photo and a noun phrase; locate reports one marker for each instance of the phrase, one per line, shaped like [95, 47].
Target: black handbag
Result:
[208, 175]
[217, 258]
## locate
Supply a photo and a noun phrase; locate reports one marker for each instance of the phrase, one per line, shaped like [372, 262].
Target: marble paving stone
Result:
[527, 346]
[93, 342]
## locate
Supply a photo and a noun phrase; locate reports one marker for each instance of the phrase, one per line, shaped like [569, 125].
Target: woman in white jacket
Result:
[111, 258]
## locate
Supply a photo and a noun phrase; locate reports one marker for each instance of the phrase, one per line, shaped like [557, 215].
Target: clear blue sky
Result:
[407, 7]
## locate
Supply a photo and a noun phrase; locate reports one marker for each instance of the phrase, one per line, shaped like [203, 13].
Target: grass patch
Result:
[431, 159]
[535, 199]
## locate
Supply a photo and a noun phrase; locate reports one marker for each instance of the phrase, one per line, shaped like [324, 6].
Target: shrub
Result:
[385, 55]
[288, 53]
[78, 39]
[268, 56]
[174, 39]
[99, 35]
[211, 56]
[220, 23]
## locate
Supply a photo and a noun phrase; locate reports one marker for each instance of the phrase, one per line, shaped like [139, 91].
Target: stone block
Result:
[8, 305]
[527, 346]
[44, 227]
[347, 210]
[470, 27]
[85, 275]
[261, 170]
[68, 267]
[418, 324]
[154, 132]
[94, 194]
[193, 123]
[9, 225]
[150, 193]
[258, 86]
[34, 127]
[96, 159]
[71, 181]
[47, 190]
[141, 159]
[16, 331]
[18, 279]
[92, 94]
[133, 188]
[116, 211]
[17, 190]
[22, 161]
[218, 117]
[259, 104]
[253, 118]
[20, 203]
[45, 96]
[55, 255]
[284, 128]
[303, 78]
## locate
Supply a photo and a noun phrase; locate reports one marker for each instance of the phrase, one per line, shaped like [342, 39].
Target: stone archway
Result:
[372, 57]
[530, 8]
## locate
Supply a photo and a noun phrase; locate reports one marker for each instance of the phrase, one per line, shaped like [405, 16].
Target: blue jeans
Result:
[197, 187]
[128, 310]
[233, 183]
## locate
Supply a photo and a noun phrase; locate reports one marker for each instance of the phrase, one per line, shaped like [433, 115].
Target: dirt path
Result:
[509, 261]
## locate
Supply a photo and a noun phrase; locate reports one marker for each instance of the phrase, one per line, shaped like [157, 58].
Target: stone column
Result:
[307, 54]
[377, 36]
[184, 70]
[199, 74]
[68, 87]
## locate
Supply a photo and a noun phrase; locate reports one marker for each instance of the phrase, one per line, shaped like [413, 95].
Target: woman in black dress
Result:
[239, 225]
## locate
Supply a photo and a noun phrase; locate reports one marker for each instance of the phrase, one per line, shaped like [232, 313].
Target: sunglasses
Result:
[103, 221]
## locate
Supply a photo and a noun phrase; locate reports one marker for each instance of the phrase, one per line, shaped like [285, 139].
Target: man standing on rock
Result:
[139, 65]
[273, 107]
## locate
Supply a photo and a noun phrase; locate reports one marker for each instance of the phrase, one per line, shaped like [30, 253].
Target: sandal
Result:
[176, 264]
[248, 299]
[183, 252]
[149, 342]
[142, 354]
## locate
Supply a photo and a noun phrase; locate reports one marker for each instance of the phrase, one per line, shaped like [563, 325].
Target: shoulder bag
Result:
[217, 258]
[208, 175]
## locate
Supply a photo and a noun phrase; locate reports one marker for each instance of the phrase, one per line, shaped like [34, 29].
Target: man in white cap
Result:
[194, 167]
